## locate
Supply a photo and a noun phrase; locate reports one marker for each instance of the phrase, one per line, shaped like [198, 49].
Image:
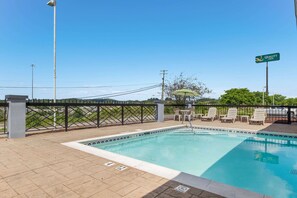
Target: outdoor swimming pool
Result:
[261, 163]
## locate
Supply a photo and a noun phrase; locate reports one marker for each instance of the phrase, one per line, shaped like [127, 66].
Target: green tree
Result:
[244, 96]
[238, 96]
[259, 98]
[290, 101]
[278, 99]
[207, 101]
[183, 82]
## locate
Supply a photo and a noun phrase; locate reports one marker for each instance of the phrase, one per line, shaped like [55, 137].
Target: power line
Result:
[78, 87]
[131, 85]
[132, 92]
[25, 87]
[122, 93]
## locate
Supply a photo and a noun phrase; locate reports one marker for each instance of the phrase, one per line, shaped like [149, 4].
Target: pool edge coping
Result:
[171, 174]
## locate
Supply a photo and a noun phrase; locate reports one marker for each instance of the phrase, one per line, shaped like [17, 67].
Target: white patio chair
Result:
[231, 115]
[259, 116]
[189, 115]
[211, 115]
[177, 114]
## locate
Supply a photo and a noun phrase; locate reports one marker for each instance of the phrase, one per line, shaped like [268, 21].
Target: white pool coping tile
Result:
[187, 179]
[248, 130]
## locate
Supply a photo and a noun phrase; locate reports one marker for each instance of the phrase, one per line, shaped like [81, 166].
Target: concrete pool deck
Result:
[40, 166]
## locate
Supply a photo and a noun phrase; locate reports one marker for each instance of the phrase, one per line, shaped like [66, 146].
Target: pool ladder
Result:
[191, 126]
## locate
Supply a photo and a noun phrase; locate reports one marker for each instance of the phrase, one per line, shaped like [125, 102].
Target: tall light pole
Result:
[53, 4]
[32, 80]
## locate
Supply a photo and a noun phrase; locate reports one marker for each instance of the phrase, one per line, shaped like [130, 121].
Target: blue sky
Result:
[125, 44]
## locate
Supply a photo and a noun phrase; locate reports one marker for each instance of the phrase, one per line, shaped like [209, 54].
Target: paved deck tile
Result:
[40, 166]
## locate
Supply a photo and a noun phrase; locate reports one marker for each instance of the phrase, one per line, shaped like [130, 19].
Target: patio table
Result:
[222, 115]
[246, 117]
[199, 115]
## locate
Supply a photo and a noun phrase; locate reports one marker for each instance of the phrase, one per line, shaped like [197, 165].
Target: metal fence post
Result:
[122, 115]
[66, 117]
[141, 109]
[4, 119]
[98, 116]
[289, 115]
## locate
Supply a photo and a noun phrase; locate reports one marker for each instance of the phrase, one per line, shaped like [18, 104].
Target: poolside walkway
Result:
[39, 166]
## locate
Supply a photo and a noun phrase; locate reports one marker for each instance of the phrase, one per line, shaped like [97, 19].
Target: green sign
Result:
[268, 58]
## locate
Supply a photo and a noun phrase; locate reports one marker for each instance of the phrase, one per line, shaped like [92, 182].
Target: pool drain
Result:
[182, 189]
[293, 171]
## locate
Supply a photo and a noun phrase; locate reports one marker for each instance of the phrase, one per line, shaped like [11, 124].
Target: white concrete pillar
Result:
[160, 112]
[16, 116]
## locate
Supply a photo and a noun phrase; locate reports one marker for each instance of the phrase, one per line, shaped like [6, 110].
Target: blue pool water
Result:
[263, 164]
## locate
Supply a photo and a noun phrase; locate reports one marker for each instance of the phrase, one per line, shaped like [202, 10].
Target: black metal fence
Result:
[42, 116]
[274, 114]
[3, 117]
[65, 116]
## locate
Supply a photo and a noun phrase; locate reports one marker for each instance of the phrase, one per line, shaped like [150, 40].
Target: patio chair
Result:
[189, 115]
[212, 113]
[177, 114]
[231, 115]
[259, 116]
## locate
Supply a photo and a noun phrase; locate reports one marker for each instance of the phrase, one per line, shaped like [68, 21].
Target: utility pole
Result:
[32, 80]
[163, 73]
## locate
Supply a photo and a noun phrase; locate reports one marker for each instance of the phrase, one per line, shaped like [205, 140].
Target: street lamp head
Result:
[52, 3]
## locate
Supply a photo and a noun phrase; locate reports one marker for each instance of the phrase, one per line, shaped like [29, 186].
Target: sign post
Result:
[265, 59]
[267, 92]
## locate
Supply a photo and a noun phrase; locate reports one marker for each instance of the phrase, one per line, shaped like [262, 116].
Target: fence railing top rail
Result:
[257, 106]
[86, 104]
[85, 101]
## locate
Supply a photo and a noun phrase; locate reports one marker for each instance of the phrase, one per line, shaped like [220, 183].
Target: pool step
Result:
[196, 133]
